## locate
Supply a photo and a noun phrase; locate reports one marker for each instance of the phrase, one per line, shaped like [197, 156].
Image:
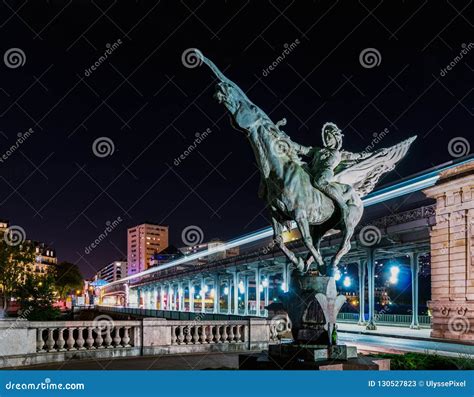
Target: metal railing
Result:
[385, 318]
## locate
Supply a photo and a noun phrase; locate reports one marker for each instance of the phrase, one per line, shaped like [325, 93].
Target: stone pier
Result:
[452, 266]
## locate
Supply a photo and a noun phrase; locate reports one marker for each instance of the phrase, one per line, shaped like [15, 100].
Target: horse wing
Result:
[363, 175]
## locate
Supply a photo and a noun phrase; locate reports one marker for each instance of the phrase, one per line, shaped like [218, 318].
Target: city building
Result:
[216, 249]
[112, 272]
[45, 258]
[143, 241]
[167, 255]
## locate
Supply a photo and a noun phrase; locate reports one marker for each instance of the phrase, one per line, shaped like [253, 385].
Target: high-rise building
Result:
[112, 272]
[142, 242]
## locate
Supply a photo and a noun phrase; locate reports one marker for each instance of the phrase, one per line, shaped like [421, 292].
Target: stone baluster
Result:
[50, 341]
[39, 340]
[195, 334]
[173, 335]
[181, 335]
[218, 334]
[80, 339]
[231, 334]
[224, 334]
[90, 339]
[117, 338]
[126, 337]
[210, 336]
[237, 333]
[98, 339]
[108, 337]
[188, 334]
[61, 342]
[70, 339]
[203, 334]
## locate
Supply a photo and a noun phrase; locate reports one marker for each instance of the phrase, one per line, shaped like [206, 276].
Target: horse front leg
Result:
[303, 227]
[278, 239]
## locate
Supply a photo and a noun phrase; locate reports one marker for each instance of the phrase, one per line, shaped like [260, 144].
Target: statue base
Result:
[301, 352]
[311, 357]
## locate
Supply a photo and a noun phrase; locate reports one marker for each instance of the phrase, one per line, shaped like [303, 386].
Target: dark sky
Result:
[151, 106]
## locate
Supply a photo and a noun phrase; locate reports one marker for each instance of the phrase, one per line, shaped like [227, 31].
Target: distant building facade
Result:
[112, 272]
[143, 241]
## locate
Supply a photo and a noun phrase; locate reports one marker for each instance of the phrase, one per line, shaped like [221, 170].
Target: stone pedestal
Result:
[452, 266]
[306, 315]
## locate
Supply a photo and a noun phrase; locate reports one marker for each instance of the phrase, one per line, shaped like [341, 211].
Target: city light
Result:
[193, 290]
[347, 281]
[283, 287]
[205, 288]
[226, 290]
[394, 271]
[337, 276]
[213, 292]
[241, 287]
[265, 283]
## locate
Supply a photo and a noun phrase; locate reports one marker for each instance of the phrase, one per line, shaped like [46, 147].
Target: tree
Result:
[67, 279]
[15, 260]
[36, 298]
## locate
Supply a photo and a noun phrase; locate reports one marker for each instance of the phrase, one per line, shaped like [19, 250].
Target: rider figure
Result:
[324, 162]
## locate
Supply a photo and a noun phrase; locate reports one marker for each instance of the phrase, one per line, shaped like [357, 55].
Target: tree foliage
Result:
[67, 279]
[15, 263]
[36, 297]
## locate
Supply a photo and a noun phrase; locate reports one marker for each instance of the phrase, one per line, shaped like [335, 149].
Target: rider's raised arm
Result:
[354, 156]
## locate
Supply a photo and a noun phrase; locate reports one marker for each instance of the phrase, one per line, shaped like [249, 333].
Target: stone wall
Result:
[27, 343]
[452, 266]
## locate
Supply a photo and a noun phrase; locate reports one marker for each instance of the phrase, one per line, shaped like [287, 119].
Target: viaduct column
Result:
[415, 270]
[452, 251]
[371, 288]
[191, 296]
[246, 295]
[236, 292]
[361, 268]
[217, 294]
[258, 276]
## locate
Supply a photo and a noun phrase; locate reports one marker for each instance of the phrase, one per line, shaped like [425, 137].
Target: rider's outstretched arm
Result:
[354, 156]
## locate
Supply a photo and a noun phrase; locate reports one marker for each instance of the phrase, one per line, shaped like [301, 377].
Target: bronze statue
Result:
[320, 194]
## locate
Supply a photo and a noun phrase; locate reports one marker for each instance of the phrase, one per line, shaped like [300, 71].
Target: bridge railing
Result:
[25, 342]
[386, 318]
[169, 314]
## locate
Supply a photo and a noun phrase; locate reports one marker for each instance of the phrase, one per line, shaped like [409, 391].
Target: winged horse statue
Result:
[322, 194]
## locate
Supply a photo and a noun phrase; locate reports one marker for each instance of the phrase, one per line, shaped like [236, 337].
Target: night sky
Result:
[151, 106]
